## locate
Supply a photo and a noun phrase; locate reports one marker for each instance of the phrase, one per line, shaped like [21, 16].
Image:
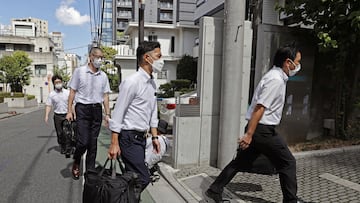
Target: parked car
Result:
[167, 106]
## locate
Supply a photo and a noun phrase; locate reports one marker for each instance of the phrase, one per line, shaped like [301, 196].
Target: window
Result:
[172, 45]
[152, 38]
[40, 49]
[40, 70]
[162, 75]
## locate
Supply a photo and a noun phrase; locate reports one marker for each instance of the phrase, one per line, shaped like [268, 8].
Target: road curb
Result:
[174, 183]
[300, 155]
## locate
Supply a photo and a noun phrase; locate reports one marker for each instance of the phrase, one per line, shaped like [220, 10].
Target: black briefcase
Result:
[104, 185]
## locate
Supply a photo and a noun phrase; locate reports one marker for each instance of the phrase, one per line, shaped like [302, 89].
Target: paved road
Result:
[32, 170]
[31, 167]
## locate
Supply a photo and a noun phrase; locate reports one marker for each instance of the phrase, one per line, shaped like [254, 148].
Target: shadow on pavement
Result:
[54, 148]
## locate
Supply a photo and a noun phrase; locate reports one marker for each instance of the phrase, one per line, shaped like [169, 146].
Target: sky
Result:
[71, 17]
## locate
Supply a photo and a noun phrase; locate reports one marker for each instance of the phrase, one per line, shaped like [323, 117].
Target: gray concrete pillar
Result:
[234, 81]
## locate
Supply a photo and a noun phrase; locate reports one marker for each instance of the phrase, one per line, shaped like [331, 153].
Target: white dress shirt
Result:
[270, 93]
[58, 100]
[90, 87]
[135, 108]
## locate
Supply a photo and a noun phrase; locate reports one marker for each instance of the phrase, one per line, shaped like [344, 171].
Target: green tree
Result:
[336, 24]
[186, 74]
[110, 69]
[15, 70]
[108, 52]
[187, 69]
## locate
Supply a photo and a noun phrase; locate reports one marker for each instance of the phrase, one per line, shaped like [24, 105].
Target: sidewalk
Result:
[19, 111]
[323, 176]
[160, 192]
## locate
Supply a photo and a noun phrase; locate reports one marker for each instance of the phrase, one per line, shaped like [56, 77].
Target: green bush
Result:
[30, 97]
[168, 89]
[15, 95]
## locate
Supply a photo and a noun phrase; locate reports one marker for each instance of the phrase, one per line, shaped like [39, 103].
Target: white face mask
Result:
[296, 70]
[58, 86]
[97, 62]
[158, 65]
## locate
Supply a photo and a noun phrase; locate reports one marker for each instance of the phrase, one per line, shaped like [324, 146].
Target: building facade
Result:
[42, 64]
[41, 28]
[31, 36]
[168, 22]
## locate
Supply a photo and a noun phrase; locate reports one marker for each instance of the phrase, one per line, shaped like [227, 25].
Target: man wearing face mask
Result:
[58, 100]
[263, 115]
[136, 112]
[89, 88]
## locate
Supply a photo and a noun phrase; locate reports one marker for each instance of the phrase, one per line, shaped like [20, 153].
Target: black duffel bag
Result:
[104, 185]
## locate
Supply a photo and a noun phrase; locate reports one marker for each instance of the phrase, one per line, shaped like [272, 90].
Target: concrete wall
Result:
[20, 102]
[4, 108]
[186, 141]
[209, 84]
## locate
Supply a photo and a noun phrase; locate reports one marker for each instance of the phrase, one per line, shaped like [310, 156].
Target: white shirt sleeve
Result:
[49, 100]
[127, 92]
[75, 80]
[154, 118]
[107, 85]
[269, 92]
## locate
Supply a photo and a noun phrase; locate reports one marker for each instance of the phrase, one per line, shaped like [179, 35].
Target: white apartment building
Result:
[175, 42]
[169, 22]
[30, 37]
[41, 27]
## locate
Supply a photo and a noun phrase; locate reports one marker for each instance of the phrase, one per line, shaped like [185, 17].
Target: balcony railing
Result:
[122, 25]
[124, 3]
[166, 16]
[166, 5]
[124, 14]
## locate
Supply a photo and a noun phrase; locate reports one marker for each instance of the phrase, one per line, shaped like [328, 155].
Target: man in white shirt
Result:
[58, 99]
[89, 88]
[260, 137]
[136, 112]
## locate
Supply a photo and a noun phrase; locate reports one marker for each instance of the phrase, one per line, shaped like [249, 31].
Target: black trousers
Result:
[132, 145]
[58, 120]
[267, 142]
[88, 121]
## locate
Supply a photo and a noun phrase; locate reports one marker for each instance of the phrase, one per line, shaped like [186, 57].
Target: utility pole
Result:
[234, 82]
[141, 20]
[141, 25]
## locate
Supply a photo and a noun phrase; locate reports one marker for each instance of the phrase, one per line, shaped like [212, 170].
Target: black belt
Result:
[138, 134]
[60, 114]
[89, 105]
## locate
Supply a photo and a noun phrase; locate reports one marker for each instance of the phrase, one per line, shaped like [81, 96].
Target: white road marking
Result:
[341, 181]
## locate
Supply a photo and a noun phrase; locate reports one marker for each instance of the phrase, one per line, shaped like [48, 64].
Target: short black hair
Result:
[145, 47]
[93, 49]
[283, 53]
[55, 77]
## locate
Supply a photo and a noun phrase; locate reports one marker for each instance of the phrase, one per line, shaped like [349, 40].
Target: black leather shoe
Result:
[216, 197]
[75, 171]
[62, 149]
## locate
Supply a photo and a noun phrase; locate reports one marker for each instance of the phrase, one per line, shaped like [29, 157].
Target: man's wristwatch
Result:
[154, 137]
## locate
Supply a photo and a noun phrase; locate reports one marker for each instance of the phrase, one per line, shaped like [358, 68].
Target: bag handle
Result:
[112, 167]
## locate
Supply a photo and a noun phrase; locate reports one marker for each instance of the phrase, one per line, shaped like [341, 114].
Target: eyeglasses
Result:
[98, 56]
